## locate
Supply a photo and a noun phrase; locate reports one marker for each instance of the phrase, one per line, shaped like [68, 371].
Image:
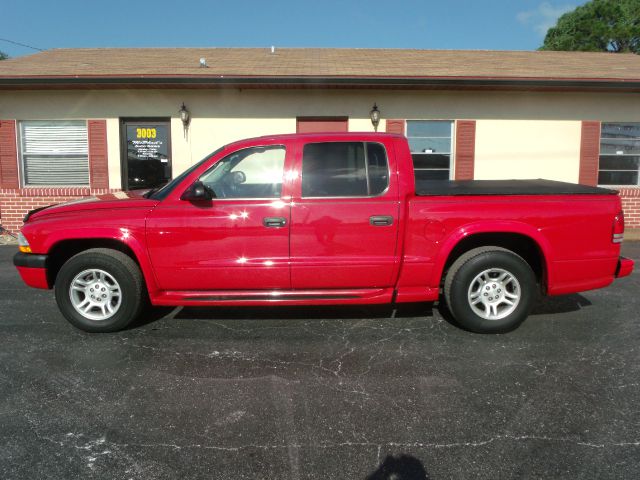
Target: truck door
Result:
[237, 241]
[344, 217]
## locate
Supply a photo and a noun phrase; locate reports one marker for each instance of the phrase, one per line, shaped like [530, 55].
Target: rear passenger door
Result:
[344, 216]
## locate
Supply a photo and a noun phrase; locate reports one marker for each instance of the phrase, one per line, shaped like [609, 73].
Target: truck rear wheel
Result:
[490, 290]
[100, 290]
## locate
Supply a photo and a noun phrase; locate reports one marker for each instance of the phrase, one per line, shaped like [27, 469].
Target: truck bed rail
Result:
[425, 188]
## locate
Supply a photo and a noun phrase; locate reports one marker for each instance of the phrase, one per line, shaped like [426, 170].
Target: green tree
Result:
[3, 56]
[597, 26]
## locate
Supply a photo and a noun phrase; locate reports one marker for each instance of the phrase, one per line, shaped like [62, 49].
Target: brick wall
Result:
[631, 206]
[15, 203]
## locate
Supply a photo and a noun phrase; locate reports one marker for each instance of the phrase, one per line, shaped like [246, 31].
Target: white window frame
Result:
[453, 143]
[600, 155]
[82, 157]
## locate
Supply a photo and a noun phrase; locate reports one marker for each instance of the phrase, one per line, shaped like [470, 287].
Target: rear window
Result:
[344, 169]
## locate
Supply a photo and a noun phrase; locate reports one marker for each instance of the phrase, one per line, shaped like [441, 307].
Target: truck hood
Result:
[118, 200]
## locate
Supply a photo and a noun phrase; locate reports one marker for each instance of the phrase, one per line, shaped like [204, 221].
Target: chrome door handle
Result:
[274, 222]
[380, 220]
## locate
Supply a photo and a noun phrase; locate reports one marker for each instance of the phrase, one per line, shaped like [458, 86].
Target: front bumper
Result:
[32, 268]
[625, 267]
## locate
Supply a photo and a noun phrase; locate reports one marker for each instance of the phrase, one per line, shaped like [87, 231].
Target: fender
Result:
[125, 235]
[499, 226]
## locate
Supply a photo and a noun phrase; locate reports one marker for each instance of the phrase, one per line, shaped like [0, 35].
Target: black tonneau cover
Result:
[425, 188]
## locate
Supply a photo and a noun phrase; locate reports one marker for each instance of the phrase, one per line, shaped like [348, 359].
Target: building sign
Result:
[148, 158]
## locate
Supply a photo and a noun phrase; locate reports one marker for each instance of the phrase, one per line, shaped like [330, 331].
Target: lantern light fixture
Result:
[185, 115]
[374, 114]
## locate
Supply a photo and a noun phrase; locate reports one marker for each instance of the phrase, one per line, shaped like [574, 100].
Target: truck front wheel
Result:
[100, 290]
[490, 290]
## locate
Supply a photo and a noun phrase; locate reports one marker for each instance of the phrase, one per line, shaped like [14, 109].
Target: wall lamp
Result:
[374, 114]
[185, 116]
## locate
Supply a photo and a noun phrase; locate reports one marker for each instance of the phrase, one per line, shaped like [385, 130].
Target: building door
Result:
[322, 124]
[146, 153]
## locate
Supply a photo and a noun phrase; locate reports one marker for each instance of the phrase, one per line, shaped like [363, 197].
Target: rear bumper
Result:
[625, 267]
[32, 268]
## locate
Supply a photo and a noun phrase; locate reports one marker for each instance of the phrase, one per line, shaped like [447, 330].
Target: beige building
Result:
[88, 121]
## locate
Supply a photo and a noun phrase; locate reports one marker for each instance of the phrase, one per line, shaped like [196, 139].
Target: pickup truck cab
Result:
[323, 219]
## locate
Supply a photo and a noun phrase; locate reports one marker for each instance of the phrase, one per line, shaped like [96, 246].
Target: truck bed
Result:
[426, 188]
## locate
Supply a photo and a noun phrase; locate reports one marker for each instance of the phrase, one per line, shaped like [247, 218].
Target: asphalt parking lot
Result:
[321, 393]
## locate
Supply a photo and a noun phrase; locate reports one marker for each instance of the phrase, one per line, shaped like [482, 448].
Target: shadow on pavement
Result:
[561, 304]
[402, 467]
[308, 312]
[545, 306]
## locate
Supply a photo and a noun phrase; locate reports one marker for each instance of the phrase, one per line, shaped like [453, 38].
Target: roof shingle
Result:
[91, 63]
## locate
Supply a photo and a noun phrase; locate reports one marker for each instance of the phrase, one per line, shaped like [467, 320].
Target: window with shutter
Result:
[619, 154]
[54, 153]
[431, 148]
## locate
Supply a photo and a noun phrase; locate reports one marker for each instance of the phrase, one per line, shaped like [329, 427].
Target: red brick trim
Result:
[396, 126]
[630, 197]
[8, 155]
[52, 191]
[589, 153]
[628, 191]
[465, 149]
[98, 158]
[14, 203]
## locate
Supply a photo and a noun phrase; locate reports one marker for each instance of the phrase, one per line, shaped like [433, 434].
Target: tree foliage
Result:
[597, 26]
[3, 56]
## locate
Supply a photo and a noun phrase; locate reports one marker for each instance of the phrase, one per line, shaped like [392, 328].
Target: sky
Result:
[426, 24]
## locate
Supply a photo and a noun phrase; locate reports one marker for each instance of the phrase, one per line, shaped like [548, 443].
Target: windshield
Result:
[162, 193]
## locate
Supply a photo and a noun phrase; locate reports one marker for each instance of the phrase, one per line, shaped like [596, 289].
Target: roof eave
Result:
[220, 81]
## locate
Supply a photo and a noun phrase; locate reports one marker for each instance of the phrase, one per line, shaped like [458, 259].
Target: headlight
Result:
[23, 245]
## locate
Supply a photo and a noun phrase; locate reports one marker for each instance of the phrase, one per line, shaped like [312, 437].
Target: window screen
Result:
[430, 143]
[54, 152]
[619, 154]
[344, 169]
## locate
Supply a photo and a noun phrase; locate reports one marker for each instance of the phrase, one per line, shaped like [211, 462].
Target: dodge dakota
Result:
[313, 219]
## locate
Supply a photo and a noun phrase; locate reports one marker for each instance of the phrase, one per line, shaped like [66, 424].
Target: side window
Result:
[378, 168]
[254, 172]
[344, 169]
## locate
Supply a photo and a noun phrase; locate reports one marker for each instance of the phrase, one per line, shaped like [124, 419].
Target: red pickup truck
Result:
[323, 219]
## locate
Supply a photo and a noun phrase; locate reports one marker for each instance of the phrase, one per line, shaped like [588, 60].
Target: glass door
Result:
[146, 153]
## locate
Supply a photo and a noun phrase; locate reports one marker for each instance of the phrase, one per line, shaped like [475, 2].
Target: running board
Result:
[274, 297]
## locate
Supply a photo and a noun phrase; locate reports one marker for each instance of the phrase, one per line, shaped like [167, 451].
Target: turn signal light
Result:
[23, 244]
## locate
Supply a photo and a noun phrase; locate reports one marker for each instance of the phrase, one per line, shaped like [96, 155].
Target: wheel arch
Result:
[531, 247]
[63, 250]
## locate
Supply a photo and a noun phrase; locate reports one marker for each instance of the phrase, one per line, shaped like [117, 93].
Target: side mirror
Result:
[197, 192]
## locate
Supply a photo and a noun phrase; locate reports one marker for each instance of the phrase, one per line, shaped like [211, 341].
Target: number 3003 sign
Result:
[146, 133]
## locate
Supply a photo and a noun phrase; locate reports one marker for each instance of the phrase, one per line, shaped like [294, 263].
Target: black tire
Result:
[462, 283]
[126, 297]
